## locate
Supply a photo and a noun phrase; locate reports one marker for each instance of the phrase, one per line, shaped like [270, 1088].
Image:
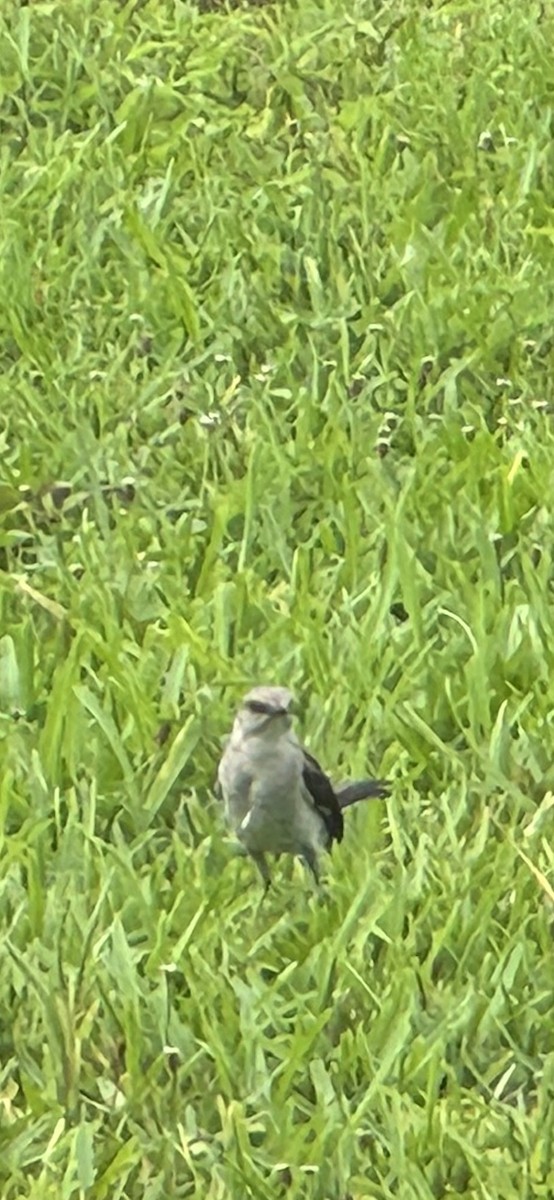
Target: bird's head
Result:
[266, 710]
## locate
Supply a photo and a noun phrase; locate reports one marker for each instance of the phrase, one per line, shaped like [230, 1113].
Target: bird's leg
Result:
[263, 868]
[310, 858]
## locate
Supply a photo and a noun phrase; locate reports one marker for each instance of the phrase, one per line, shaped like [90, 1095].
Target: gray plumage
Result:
[277, 798]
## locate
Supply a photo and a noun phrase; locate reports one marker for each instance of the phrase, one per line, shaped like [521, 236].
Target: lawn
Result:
[276, 405]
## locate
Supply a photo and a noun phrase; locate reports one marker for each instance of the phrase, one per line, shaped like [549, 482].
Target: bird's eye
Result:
[256, 706]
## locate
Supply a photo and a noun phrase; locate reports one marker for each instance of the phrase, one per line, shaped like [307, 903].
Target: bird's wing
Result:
[234, 784]
[323, 796]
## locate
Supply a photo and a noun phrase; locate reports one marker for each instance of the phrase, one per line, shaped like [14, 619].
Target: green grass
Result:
[276, 297]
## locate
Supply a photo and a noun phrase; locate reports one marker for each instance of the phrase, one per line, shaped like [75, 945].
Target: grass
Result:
[276, 295]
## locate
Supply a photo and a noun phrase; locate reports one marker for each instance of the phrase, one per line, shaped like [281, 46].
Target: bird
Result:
[277, 798]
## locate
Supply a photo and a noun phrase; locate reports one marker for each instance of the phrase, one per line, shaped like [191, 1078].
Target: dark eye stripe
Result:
[257, 706]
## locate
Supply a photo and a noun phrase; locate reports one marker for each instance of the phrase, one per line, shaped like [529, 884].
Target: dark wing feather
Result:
[321, 790]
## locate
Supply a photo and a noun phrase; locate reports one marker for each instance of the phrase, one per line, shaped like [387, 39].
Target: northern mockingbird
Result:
[277, 798]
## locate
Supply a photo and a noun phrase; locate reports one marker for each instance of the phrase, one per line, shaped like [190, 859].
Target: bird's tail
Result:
[363, 789]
